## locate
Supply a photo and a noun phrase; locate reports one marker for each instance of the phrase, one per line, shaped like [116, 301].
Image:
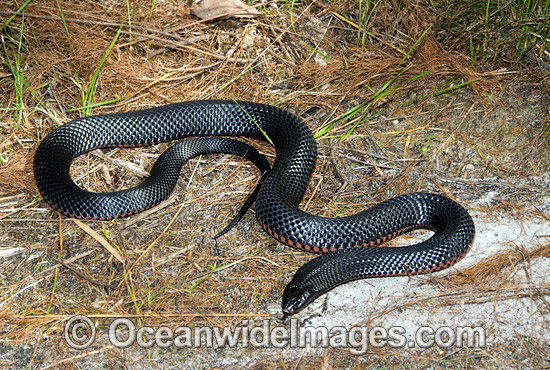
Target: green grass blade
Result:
[95, 105]
[89, 96]
[447, 89]
[14, 66]
[256, 123]
[8, 21]
[64, 25]
[346, 115]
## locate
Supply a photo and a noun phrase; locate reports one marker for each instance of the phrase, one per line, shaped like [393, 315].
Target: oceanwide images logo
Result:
[81, 332]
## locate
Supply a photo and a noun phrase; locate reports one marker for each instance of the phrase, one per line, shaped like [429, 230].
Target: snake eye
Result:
[295, 299]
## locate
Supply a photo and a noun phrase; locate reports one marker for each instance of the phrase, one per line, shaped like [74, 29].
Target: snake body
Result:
[277, 200]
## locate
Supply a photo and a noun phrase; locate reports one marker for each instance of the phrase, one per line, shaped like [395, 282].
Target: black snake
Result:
[351, 242]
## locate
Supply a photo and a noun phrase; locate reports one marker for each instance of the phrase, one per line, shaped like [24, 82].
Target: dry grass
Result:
[491, 135]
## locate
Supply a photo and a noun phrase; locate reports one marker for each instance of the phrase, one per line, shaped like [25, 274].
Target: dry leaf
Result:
[324, 361]
[100, 239]
[224, 8]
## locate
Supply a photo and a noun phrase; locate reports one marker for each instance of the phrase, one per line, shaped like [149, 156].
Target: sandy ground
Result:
[486, 144]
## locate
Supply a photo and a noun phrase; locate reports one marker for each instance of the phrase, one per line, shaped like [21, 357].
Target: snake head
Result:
[295, 299]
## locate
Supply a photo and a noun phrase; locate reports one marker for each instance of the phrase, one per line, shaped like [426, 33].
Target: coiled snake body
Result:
[277, 199]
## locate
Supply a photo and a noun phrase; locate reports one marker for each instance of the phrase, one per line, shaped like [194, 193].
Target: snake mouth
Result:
[295, 299]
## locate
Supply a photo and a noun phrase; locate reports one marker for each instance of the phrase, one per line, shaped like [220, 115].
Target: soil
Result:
[485, 144]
